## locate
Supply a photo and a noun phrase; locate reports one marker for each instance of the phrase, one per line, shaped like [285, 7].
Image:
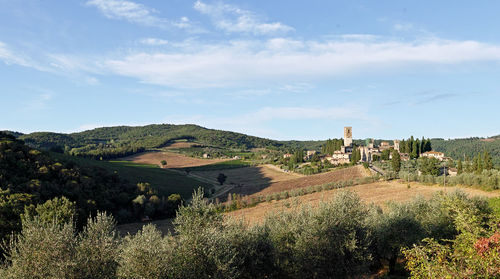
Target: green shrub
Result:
[327, 243]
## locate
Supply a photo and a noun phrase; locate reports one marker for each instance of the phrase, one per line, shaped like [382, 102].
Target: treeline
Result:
[120, 141]
[30, 177]
[331, 146]
[342, 238]
[479, 163]
[469, 147]
[415, 147]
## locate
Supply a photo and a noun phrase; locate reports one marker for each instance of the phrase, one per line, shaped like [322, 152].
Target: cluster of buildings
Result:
[368, 152]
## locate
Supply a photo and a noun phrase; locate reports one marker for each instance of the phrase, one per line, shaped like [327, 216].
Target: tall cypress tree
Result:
[479, 166]
[459, 167]
[488, 163]
[402, 146]
[396, 161]
[414, 150]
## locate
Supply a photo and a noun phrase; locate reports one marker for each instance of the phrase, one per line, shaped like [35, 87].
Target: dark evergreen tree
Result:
[396, 161]
[488, 163]
[414, 150]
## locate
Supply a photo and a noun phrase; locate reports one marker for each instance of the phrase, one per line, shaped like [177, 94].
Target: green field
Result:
[219, 166]
[164, 180]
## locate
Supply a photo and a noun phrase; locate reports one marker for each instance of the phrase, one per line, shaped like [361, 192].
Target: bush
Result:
[474, 253]
[42, 250]
[327, 243]
[147, 254]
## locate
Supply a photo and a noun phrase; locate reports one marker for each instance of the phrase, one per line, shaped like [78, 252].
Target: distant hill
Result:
[12, 133]
[469, 147]
[111, 142]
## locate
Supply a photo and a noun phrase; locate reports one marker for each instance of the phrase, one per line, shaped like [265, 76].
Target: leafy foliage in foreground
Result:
[474, 253]
[341, 238]
[29, 178]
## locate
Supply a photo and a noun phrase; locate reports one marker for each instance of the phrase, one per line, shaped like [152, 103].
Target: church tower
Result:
[347, 136]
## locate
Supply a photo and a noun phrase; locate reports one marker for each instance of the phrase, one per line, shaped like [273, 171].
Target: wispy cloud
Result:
[154, 42]
[430, 98]
[11, 57]
[139, 14]
[59, 64]
[241, 63]
[297, 87]
[230, 18]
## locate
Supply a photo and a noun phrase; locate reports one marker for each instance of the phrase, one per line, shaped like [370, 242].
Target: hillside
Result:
[470, 147]
[379, 193]
[112, 142]
[119, 141]
[127, 190]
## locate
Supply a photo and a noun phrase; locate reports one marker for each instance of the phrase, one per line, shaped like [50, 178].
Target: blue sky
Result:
[277, 69]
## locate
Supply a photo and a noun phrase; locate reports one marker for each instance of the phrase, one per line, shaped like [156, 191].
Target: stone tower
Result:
[347, 136]
[396, 145]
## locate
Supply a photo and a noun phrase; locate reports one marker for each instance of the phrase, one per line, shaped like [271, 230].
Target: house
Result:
[309, 154]
[433, 154]
[384, 146]
[404, 156]
[236, 157]
[339, 158]
[287, 155]
[452, 171]
[206, 155]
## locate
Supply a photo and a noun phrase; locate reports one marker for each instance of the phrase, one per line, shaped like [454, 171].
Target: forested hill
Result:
[29, 177]
[109, 142]
[469, 147]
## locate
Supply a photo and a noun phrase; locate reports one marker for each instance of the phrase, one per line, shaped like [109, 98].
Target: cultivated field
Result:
[174, 160]
[269, 179]
[248, 177]
[378, 193]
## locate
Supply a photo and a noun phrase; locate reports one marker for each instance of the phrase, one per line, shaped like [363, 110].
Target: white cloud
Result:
[297, 87]
[10, 57]
[140, 14]
[233, 19]
[154, 42]
[245, 63]
[127, 10]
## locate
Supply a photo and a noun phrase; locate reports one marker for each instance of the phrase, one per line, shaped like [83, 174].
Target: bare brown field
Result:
[249, 177]
[303, 181]
[378, 193]
[174, 160]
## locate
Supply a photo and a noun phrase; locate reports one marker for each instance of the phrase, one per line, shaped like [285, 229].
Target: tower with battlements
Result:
[347, 136]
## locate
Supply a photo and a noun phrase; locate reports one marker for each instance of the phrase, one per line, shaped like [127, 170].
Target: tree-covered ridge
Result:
[109, 142]
[469, 147]
[29, 177]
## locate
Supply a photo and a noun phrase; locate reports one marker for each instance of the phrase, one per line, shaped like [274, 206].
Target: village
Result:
[369, 152]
